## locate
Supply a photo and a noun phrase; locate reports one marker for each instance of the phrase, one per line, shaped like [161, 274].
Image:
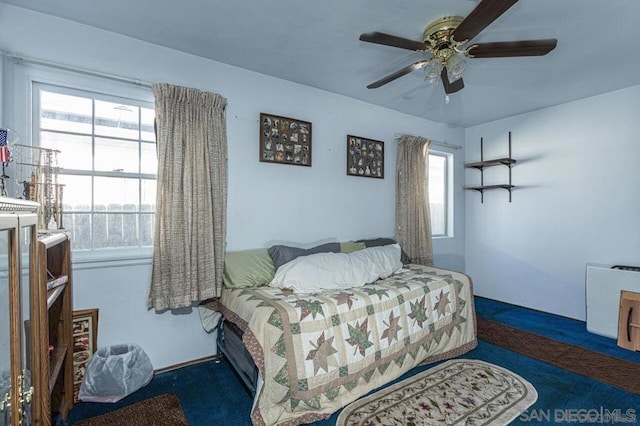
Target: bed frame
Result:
[229, 343]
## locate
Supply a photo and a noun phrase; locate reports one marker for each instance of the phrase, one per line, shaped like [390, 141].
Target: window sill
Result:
[92, 261]
[442, 237]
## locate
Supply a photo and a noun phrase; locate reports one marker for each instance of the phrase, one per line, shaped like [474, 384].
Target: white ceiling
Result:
[316, 43]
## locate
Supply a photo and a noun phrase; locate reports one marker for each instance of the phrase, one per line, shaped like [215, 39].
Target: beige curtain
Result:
[413, 218]
[191, 201]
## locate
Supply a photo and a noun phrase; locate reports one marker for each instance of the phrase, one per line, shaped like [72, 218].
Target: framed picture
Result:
[365, 157]
[85, 339]
[285, 140]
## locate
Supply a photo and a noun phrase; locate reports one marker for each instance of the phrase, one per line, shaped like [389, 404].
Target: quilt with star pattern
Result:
[318, 352]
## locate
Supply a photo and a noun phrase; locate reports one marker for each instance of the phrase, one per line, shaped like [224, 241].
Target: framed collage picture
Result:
[365, 157]
[285, 140]
[85, 339]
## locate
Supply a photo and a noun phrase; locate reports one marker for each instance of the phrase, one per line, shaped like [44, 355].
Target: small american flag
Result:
[4, 150]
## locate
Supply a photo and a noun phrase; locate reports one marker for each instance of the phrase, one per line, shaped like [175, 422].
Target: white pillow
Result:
[324, 271]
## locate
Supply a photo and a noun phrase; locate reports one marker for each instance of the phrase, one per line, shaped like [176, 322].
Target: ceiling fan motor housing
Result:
[438, 35]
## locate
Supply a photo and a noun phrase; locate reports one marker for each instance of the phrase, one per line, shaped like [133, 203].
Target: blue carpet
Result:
[211, 394]
[553, 326]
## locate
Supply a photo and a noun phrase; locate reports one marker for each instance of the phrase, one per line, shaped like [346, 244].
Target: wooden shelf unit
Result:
[482, 164]
[19, 315]
[55, 306]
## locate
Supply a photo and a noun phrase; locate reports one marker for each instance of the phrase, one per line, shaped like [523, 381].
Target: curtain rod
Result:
[85, 71]
[443, 144]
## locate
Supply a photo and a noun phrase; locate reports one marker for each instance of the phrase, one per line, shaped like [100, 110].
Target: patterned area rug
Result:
[162, 410]
[459, 391]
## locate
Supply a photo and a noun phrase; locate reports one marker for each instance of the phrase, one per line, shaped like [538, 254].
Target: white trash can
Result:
[114, 372]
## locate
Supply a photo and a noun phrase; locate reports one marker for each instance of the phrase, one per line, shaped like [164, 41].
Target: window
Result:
[440, 193]
[107, 165]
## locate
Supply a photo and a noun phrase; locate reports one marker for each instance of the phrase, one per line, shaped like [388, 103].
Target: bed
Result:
[307, 354]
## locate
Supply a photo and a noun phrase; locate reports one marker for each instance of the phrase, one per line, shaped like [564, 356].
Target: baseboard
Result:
[184, 364]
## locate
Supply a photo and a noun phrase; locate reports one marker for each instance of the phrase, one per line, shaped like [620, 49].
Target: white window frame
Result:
[449, 194]
[19, 80]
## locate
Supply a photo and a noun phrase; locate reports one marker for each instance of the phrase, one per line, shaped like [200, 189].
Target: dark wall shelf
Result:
[482, 188]
[482, 164]
[488, 163]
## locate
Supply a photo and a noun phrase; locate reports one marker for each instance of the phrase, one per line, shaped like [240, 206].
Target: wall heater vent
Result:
[603, 286]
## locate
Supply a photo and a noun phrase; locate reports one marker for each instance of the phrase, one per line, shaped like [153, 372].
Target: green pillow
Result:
[351, 246]
[248, 268]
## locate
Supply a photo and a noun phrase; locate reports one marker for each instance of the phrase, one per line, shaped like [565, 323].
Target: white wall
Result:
[576, 201]
[267, 202]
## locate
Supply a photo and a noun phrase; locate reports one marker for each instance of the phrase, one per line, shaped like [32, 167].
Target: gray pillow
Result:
[376, 242]
[284, 254]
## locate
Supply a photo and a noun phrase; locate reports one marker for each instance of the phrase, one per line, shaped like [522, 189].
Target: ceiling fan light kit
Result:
[444, 50]
[445, 39]
[456, 65]
[432, 70]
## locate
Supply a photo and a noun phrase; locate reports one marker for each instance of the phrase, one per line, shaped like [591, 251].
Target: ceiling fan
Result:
[445, 38]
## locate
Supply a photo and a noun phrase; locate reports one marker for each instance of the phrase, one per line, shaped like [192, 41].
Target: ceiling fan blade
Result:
[450, 87]
[404, 71]
[504, 49]
[394, 41]
[480, 17]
